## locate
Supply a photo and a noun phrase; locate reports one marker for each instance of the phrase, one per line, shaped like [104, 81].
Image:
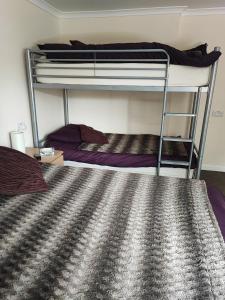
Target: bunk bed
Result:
[99, 70]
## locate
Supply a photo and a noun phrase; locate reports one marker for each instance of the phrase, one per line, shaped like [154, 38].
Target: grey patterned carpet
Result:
[108, 235]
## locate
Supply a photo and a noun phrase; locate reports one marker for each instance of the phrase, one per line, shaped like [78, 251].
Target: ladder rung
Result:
[175, 162]
[176, 139]
[167, 114]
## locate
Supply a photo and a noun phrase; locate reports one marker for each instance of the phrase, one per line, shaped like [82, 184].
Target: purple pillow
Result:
[63, 146]
[92, 136]
[19, 173]
[68, 134]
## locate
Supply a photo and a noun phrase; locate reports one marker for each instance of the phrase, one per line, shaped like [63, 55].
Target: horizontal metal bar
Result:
[99, 77]
[174, 162]
[102, 51]
[179, 115]
[174, 139]
[37, 52]
[121, 87]
[103, 60]
[99, 68]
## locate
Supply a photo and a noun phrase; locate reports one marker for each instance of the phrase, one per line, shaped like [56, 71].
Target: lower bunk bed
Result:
[85, 147]
[100, 234]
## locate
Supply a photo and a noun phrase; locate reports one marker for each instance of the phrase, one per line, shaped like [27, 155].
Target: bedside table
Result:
[56, 159]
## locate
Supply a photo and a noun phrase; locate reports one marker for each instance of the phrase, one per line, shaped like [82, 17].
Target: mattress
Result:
[179, 76]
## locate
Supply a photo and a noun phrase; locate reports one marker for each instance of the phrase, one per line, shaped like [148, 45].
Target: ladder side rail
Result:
[196, 104]
[193, 110]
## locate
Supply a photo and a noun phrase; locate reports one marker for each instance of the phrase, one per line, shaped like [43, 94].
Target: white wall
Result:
[210, 29]
[22, 25]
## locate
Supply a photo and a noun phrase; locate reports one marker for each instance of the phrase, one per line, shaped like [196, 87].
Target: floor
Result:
[216, 179]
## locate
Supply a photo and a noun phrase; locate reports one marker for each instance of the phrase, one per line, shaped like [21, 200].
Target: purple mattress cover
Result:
[121, 160]
[217, 200]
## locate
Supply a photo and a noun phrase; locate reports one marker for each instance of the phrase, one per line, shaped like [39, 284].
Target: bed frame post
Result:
[31, 93]
[207, 112]
[66, 106]
[163, 114]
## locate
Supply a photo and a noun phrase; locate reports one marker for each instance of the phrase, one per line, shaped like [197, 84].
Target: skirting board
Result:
[218, 168]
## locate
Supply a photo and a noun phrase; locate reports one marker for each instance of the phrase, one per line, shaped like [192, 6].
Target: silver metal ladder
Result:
[191, 139]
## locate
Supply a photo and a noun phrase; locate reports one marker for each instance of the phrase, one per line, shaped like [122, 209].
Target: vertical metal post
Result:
[31, 94]
[95, 55]
[194, 119]
[163, 114]
[66, 106]
[207, 115]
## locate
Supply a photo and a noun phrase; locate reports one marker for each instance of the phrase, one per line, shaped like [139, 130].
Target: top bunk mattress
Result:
[75, 74]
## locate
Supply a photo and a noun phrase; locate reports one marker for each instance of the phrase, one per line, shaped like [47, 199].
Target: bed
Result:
[129, 67]
[122, 152]
[100, 234]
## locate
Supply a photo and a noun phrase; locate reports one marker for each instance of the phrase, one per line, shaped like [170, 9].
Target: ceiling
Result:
[98, 5]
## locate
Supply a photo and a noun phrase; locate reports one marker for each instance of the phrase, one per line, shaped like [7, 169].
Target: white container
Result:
[18, 141]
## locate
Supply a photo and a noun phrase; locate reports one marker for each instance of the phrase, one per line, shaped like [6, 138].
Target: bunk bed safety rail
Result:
[37, 58]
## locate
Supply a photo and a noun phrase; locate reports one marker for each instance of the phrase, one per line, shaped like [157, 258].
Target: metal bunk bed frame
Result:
[35, 56]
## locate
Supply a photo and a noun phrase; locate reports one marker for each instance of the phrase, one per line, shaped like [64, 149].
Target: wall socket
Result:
[218, 114]
[21, 126]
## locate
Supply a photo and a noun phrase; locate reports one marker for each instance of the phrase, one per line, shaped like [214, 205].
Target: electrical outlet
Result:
[21, 126]
[218, 114]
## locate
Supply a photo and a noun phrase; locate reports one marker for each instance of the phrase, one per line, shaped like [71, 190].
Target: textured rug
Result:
[108, 235]
[136, 144]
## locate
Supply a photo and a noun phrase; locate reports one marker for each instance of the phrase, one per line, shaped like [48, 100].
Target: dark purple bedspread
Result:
[121, 160]
[196, 57]
[217, 200]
